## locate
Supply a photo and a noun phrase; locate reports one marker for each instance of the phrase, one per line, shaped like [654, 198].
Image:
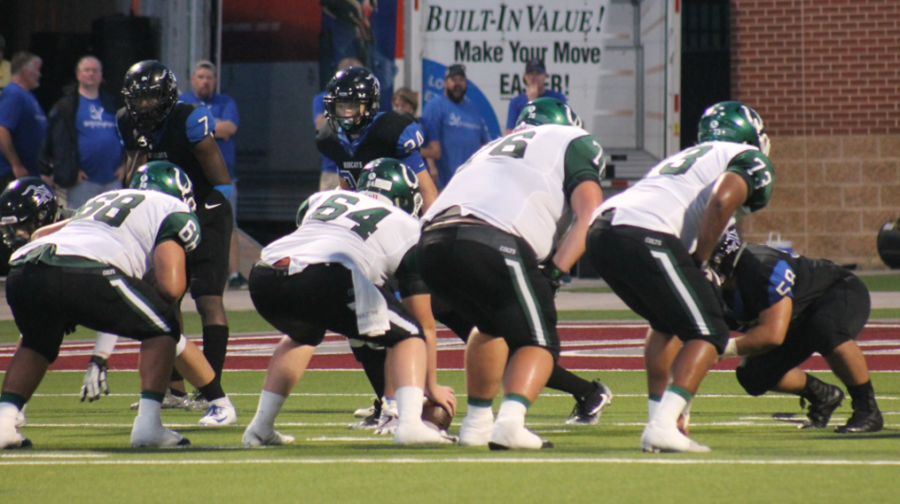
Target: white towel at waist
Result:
[372, 317]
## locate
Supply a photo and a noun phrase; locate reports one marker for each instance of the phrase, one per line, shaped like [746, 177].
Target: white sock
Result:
[390, 404]
[8, 412]
[479, 414]
[270, 405]
[652, 406]
[512, 411]
[105, 344]
[669, 408]
[149, 407]
[409, 403]
[223, 402]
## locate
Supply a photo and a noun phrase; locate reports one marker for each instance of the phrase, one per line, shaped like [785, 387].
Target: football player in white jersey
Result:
[28, 204]
[652, 244]
[87, 271]
[486, 250]
[329, 275]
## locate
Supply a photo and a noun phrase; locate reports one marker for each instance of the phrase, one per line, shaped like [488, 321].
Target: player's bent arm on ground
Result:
[770, 332]
[169, 268]
[48, 230]
[729, 193]
[211, 161]
[585, 199]
[420, 306]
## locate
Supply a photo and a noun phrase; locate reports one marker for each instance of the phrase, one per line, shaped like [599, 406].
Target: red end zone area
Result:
[587, 345]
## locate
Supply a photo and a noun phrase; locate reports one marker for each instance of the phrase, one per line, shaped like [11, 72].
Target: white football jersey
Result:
[519, 183]
[121, 228]
[673, 195]
[347, 227]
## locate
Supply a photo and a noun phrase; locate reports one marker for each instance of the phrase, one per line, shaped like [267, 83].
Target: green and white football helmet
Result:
[732, 121]
[167, 178]
[548, 111]
[393, 182]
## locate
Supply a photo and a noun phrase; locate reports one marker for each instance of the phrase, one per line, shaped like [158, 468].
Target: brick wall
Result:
[825, 77]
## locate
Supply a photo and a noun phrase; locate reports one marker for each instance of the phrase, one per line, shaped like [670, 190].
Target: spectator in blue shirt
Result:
[82, 151]
[453, 126]
[535, 87]
[329, 179]
[224, 111]
[22, 121]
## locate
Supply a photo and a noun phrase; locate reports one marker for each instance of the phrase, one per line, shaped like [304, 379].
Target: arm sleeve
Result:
[781, 283]
[584, 161]
[411, 283]
[410, 139]
[757, 171]
[181, 227]
[199, 125]
[414, 161]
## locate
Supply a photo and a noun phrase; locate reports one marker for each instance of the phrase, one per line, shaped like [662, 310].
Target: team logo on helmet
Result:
[41, 193]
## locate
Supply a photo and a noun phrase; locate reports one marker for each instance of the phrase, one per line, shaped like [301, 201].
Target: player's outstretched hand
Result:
[445, 396]
[95, 380]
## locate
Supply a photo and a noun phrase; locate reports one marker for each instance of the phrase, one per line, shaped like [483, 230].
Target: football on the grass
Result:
[435, 416]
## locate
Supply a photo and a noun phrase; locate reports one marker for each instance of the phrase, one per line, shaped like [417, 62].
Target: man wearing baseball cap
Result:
[453, 125]
[535, 87]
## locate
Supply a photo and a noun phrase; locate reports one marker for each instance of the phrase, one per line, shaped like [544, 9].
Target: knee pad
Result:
[179, 347]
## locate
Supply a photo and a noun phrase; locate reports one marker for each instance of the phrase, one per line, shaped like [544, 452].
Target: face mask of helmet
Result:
[348, 115]
[17, 235]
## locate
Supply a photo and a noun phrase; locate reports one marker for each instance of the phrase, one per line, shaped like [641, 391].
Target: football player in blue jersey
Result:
[155, 125]
[355, 133]
[787, 308]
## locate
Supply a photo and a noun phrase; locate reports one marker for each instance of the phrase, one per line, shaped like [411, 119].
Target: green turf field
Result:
[81, 452]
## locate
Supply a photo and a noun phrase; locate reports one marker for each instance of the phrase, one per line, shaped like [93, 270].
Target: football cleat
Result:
[656, 439]
[149, 432]
[171, 401]
[587, 412]
[387, 422]
[507, 436]
[409, 433]
[862, 421]
[364, 412]
[819, 412]
[369, 422]
[219, 415]
[195, 402]
[238, 282]
[254, 437]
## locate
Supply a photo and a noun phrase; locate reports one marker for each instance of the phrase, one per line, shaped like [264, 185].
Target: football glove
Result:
[552, 273]
[95, 380]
